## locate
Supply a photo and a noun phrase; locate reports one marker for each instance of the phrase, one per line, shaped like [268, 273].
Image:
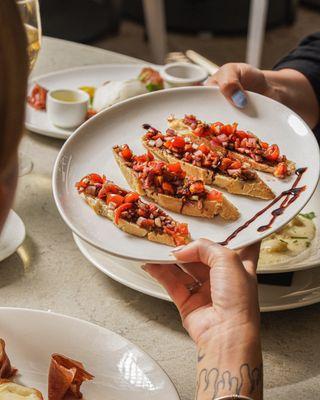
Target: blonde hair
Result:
[13, 80]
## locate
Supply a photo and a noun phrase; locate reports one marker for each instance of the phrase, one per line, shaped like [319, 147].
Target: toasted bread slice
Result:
[155, 235]
[13, 391]
[181, 128]
[253, 188]
[209, 209]
[128, 227]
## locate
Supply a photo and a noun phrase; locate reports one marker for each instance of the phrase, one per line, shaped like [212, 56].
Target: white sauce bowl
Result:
[67, 108]
[183, 74]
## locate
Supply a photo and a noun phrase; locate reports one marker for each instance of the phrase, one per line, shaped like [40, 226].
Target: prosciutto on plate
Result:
[66, 377]
[6, 370]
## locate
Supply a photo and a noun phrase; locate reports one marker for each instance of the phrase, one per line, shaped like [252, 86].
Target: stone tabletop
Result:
[50, 273]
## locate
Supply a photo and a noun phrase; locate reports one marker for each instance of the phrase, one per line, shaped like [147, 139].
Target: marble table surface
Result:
[50, 273]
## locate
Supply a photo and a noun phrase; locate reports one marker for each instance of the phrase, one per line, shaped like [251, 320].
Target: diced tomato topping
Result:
[156, 166]
[215, 142]
[264, 145]
[202, 130]
[131, 197]
[144, 157]
[109, 188]
[126, 153]
[183, 229]
[114, 198]
[204, 148]
[81, 184]
[215, 128]
[228, 129]
[243, 134]
[225, 163]
[235, 165]
[147, 223]
[38, 98]
[119, 210]
[272, 153]
[91, 113]
[96, 178]
[281, 170]
[215, 195]
[175, 168]
[167, 187]
[141, 212]
[157, 136]
[178, 141]
[196, 187]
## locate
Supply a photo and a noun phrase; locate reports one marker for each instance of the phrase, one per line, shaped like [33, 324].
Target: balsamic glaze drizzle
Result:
[289, 197]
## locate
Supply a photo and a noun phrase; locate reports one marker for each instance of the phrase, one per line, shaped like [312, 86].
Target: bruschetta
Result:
[244, 146]
[211, 166]
[130, 213]
[168, 185]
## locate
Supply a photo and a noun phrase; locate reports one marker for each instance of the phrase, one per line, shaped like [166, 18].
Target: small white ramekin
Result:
[67, 108]
[183, 74]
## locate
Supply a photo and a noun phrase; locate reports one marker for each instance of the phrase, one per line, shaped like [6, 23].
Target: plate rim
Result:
[100, 115]
[88, 323]
[63, 136]
[165, 297]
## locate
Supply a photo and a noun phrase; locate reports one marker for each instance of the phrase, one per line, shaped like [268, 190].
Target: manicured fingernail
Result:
[179, 248]
[239, 99]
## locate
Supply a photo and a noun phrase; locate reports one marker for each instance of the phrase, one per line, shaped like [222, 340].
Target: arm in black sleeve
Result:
[305, 59]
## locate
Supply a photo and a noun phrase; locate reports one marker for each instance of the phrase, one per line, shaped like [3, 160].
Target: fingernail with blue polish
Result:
[239, 99]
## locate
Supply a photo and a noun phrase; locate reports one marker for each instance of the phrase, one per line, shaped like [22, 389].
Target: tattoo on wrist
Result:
[215, 382]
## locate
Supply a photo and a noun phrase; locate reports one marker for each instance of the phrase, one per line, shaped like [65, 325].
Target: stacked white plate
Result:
[89, 150]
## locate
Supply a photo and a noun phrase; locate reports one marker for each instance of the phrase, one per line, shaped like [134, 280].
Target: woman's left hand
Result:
[216, 289]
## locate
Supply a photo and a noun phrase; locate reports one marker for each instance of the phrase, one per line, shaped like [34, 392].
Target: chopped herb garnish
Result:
[309, 215]
[299, 237]
[295, 241]
[308, 244]
[283, 241]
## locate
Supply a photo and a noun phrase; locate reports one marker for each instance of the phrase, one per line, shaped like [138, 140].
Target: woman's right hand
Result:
[234, 79]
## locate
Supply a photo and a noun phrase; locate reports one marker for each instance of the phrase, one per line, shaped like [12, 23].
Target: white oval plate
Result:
[304, 290]
[12, 235]
[90, 150]
[121, 369]
[72, 78]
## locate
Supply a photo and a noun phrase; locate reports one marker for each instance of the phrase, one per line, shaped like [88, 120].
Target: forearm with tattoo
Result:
[225, 375]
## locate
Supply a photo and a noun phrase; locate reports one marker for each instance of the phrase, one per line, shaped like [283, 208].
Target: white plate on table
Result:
[304, 289]
[72, 78]
[12, 235]
[121, 369]
[90, 150]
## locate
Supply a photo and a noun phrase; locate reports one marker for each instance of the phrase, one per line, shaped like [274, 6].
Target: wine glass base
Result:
[25, 165]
